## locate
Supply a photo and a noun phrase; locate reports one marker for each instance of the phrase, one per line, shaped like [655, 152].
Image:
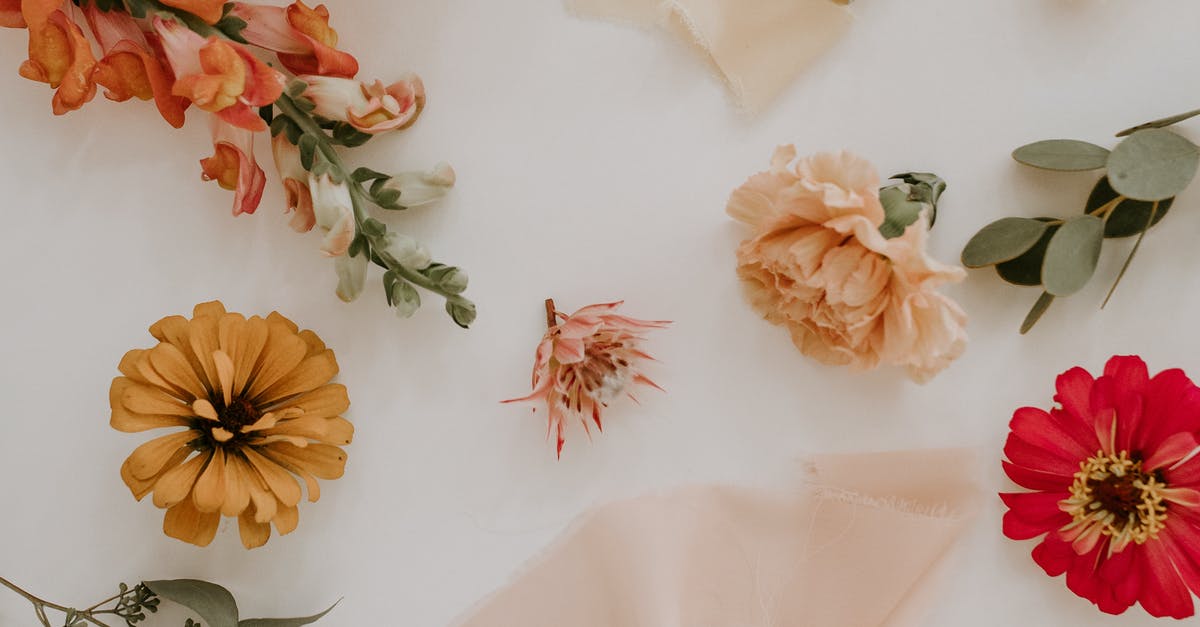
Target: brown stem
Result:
[551, 318]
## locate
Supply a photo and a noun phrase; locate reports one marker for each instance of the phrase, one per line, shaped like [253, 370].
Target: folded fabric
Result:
[758, 46]
[857, 545]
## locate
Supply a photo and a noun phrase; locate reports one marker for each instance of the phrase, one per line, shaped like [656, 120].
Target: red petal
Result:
[1041, 430]
[1163, 592]
[1054, 556]
[1182, 542]
[1032, 514]
[1121, 573]
[1074, 392]
[1128, 378]
[1174, 402]
[1170, 451]
[1035, 480]
[1082, 578]
[1025, 454]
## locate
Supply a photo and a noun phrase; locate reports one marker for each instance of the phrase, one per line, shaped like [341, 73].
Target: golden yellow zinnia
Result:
[257, 407]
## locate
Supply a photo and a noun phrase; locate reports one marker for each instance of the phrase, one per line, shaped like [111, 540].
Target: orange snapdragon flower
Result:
[300, 35]
[233, 166]
[59, 54]
[130, 68]
[10, 14]
[220, 77]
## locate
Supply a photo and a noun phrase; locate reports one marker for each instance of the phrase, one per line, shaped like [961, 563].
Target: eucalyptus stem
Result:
[358, 195]
[40, 605]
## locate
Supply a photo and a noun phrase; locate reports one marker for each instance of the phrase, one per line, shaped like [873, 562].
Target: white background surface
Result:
[594, 161]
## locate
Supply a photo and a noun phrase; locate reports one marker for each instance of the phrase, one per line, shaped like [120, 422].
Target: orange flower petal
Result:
[286, 519]
[148, 459]
[311, 373]
[277, 479]
[209, 493]
[324, 402]
[237, 486]
[141, 487]
[170, 363]
[176, 484]
[144, 399]
[185, 522]
[253, 533]
[323, 460]
[133, 422]
[282, 353]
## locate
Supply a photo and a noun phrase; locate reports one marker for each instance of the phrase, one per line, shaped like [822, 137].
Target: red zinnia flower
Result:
[1116, 486]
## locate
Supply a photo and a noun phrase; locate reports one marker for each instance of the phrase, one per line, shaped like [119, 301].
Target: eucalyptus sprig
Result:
[1144, 173]
[214, 605]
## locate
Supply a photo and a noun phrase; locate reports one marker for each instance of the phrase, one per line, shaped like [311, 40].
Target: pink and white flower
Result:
[370, 108]
[587, 361]
[301, 37]
[333, 210]
[233, 166]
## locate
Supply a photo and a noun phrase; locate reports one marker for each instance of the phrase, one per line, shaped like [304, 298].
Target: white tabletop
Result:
[594, 161]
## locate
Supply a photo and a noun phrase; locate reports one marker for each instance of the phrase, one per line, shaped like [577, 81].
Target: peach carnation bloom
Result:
[253, 408]
[586, 361]
[818, 265]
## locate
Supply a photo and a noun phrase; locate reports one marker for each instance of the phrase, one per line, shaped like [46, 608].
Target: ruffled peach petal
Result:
[185, 522]
[209, 493]
[282, 353]
[311, 373]
[148, 460]
[253, 533]
[176, 484]
[323, 460]
[276, 478]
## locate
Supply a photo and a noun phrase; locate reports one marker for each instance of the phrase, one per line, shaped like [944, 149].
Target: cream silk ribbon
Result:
[758, 46]
[858, 545]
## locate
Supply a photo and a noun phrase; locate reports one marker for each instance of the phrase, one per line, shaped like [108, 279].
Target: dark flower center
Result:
[239, 413]
[1116, 495]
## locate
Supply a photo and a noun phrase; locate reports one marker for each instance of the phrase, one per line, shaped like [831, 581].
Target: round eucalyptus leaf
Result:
[1152, 164]
[1003, 240]
[1069, 155]
[1027, 269]
[1072, 254]
[1130, 216]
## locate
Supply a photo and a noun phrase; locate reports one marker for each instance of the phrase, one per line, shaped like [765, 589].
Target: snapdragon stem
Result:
[358, 195]
[551, 316]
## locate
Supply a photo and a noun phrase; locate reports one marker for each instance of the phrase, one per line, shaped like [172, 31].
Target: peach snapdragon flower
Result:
[252, 408]
[369, 107]
[208, 10]
[818, 265]
[299, 35]
[586, 361]
[220, 77]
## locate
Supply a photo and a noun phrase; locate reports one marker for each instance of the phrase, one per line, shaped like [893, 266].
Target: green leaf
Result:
[1027, 269]
[387, 198]
[308, 151]
[1072, 255]
[1068, 155]
[1003, 240]
[285, 622]
[1035, 314]
[362, 175]
[1129, 217]
[900, 209]
[1152, 164]
[296, 87]
[138, 8]
[214, 604]
[1159, 123]
[374, 227]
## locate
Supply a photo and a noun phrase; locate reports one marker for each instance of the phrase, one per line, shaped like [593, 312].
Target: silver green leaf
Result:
[214, 604]
[1043, 303]
[1152, 164]
[1003, 240]
[285, 622]
[1069, 155]
[1072, 254]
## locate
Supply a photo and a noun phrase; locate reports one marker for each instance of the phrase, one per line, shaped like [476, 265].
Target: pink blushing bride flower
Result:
[587, 361]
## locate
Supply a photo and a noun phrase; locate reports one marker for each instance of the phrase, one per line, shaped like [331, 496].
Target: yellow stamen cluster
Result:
[1113, 495]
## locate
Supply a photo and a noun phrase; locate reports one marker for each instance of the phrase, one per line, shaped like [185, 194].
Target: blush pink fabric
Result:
[757, 46]
[857, 545]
